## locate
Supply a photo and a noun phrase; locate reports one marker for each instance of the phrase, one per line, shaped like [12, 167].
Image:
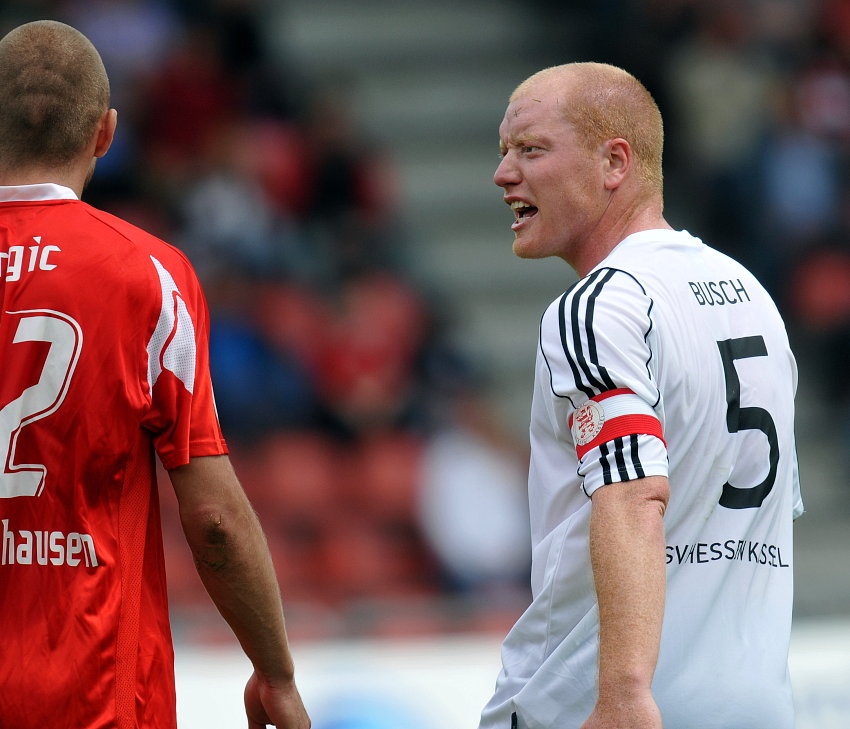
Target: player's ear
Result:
[617, 156]
[105, 132]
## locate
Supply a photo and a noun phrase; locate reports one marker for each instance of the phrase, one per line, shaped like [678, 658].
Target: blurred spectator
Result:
[189, 98]
[473, 505]
[798, 192]
[258, 387]
[819, 301]
[229, 220]
[365, 371]
[133, 36]
[722, 92]
[349, 172]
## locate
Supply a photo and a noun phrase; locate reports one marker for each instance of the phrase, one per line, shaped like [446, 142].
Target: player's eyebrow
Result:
[520, 140]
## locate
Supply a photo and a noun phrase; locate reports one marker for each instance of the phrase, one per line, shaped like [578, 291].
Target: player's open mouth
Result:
[523, 212]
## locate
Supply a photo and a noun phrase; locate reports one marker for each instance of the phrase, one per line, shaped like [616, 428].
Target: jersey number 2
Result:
[39, 400]
[749, 418]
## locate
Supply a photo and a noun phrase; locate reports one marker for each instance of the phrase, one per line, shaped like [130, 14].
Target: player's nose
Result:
[506, 173]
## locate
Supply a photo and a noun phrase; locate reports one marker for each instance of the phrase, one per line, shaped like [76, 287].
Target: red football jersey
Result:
[103, 344]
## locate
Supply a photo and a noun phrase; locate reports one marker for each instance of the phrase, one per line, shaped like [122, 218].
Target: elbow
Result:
[216, 521]
[661, 499]
[212, 530]
[210, 536]
[211, 545]
[655, 494]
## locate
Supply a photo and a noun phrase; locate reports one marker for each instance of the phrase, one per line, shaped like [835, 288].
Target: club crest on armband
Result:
[587, 422]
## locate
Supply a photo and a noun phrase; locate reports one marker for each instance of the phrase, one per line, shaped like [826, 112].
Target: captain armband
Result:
[610, 415]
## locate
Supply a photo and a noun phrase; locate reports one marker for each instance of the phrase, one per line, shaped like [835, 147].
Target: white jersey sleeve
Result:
[597, 341]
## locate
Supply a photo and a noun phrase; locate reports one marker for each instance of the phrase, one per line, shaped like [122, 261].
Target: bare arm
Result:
[234, 563]
[627, 549]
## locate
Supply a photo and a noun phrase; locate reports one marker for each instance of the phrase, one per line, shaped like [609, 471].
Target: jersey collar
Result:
[41, 191]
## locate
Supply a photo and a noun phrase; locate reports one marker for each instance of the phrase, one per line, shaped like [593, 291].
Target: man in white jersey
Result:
[663, 480]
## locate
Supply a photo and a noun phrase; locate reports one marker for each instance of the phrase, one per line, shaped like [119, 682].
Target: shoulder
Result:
[597, 333]
[605, 292]
[147, 248]
[128, 231]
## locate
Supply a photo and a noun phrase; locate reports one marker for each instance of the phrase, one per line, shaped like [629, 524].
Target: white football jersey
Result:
[669, 358]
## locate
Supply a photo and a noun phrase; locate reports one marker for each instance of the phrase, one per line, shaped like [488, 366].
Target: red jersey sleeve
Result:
[182, 416]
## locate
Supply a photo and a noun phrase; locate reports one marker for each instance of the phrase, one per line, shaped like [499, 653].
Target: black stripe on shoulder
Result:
[585, 387]
[649, 324]
[579, 343]
[591, 377]
[630, 275]
[548, 366]
[592, 354]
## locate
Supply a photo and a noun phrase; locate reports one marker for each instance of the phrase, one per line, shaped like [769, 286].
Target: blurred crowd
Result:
[360, 432]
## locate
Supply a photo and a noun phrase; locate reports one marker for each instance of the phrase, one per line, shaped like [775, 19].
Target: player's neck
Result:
[72, 176]
[615, 227]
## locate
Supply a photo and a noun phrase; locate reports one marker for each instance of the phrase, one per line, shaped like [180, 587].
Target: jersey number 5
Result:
[749, 418]
[39, 400]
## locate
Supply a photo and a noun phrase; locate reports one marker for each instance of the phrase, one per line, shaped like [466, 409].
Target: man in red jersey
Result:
[103, 345]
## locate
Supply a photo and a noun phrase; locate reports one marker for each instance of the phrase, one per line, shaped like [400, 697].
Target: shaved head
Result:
[53, 92]
[604, 102]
